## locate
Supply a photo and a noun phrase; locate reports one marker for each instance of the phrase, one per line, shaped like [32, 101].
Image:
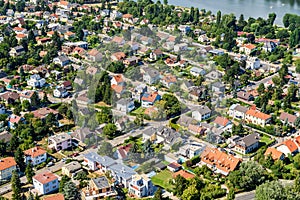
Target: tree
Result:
[273, 190]
[19, 158]
[231, 195]
[25, 105]
[261, 89]
[62, 183]
[165, 2]
[218, 17]
[29, 172]
[16, 186]
[158, 194]
[70, 191]
[180, 185]
[110, 130]
[105, 148]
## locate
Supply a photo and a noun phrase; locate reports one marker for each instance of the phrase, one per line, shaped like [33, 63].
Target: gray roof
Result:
[123, 171]
[249, 140]
[101, 182]
[218, 84]
[63, 58]
[125, 101]
[202, 109]
[150, 131]
[73, 166]
[5, 136]
[214, 75]
[102, 160]
[151, 72]
[60, 137]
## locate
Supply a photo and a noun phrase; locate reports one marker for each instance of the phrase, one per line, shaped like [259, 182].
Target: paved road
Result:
[245, 196]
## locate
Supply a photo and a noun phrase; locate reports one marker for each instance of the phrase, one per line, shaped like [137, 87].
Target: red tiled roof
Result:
[7, 162]
[117, 88]
[222, 121]
[258, 114]
[45, 177]
[118, 78]
[127, 16]
[290, 145]
[55, 197]
[150, 98]
[184, 174]
[34, 152]
[274, 153]
[249, 46]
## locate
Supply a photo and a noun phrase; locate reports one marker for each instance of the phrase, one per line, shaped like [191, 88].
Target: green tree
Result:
[180, 185]
[110, 130]
[26, 105]
[273, 190]
[29, 172]
[70, 191]
[231, 195]
[16, 186]
[19, 157]
[158, 194]
[62, 183]
[105, 148]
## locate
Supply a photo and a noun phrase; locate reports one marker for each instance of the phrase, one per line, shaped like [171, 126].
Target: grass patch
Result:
[289, 166]
[139, 111]
[163, 179]
[266, 139]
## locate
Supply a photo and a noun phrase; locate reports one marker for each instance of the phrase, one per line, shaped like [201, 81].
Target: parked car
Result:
[50, 164]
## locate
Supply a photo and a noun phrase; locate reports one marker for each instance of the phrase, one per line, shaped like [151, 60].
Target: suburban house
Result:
[62, 60]
[218, 161]
[156, 54]
[138, 92]
[183, 173]
[122, 152]
[221, 122]
[218, 87]
[95, 162]
[45, 182]
[287, 118]
[168, 80]
[192, 149]
[27, 95]
[201, 113]
[237, 111]
[257, 117]
[150, 75]
[125, 105]
[274, 153]
[98, 188]
[35, 156]
[60, 92]
[288, 147]
[180, 47]
[118, 56]
[247, 96]
[247, 48]
[122, 174]
[36, 81]
[13, 120]
[174, 167]
[94, 55]
[141, 186]
[269, 46]
[17, 51]
[7, 166]
[196, 71]
[131, 61]
[148, 99]
[117, 80]
[248, 143]
[71, 169]
[60, 142]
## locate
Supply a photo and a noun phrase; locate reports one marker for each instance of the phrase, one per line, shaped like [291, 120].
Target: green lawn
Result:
[139, 111]
[266, 139]
[162, 179]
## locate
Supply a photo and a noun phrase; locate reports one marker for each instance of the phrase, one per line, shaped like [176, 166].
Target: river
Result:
[250, 8]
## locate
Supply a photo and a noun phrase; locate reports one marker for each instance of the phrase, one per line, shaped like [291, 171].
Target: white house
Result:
[237, 111]
[35, 155]
[60, 92]
[60, 142]
[253, 63]
[196, 71]
[180, 47]
[201, 113]
[45, 182]
[36, 81]
[141, 186]
[7, 166]
[125, 105]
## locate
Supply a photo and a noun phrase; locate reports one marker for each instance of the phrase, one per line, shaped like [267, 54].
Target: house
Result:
[141, 186]
[186, 85]
[196, 71]
[184, 174]
[95, 162]
[156, 54]
[27, 95]
[67, 85]
[246, 96]
[192, 149]
[125, 105]
[35, 156]
[203, 38]
[13, 120]
[7, 166]
[148, 99]
[218, 161]
[287, 118]
[201, 113]
[184, 29]
[237, 111]
[128, 18]
[5, 136]
[252, 63]
[122, 174]
[58, 196]
[42, 113]
[122, 152]
[150, 75]
[248, 143]
[269, 46]
[218, 87]
[118, 56]
[274, 153]
[94, 55]
[168, 80]
[138, 92]
[149, 134]
[257, 117]
[131, 61]
[60, 92]
[174, 167]
[221, 121]
[62, 60]
[45, 182]
[117, 80]
[180, 47]
[71, 169]
[17, 51]
[288, 147]
[60, 141]
[2, 109]
[98, 188]
[213, 76]
[36, 81]
[247, 48]
[119, 40]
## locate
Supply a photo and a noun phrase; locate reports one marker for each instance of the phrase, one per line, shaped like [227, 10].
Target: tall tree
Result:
[71, 192]
[16, 186]
[105, 148]
[19, 157]
[29, 172]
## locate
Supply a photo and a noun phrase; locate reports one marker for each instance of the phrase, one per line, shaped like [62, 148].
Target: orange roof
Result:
[222, 121]
[55, 197]
[34, 152]
[221, 160]
[290, 145]
[150, 98]
[93, 52]
[150, 110]
[249, 46]
[21, 35]
[258, 114]
[7, 162]
[170, 79]
[64, 3]
[117, 39]
[274, 153]
[45, 177]
[69, 33]
[50, 33]
[118, 78]
[184, 174]
[127, 16]
[297, 140]
[117, 88]
[119, 55]
[195, 128]
[18, 29]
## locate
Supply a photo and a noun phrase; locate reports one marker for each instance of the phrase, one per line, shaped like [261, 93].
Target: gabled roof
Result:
[34, 152]
[45, 177]
[184, 174]
[150, 97]
[258, 114]
[276, 155]
[7, 162]
[222, 121]
[286, 116]
[291, 145]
